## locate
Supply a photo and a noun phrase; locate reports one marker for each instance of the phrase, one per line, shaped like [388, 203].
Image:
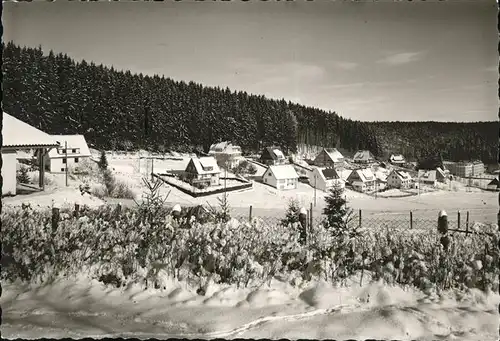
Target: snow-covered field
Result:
[77, 307]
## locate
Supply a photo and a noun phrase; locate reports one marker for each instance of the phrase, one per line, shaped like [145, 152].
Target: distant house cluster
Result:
[465, 169]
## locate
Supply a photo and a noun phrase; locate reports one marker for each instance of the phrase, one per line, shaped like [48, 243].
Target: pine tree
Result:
[103, 161]
[292, 213]
[336, 210]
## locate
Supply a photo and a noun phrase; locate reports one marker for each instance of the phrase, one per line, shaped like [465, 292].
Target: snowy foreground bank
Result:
[79, 307]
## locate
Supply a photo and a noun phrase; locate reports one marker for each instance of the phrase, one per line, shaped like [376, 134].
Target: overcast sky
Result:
[404, 61]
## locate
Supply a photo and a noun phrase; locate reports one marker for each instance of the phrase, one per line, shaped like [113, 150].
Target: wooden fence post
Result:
[311, 218]
[458, 220]
[467, 223]
[55, 218]
[411, 220]
[77, 210]
[443, 229]
[250, 214]
[359, 218]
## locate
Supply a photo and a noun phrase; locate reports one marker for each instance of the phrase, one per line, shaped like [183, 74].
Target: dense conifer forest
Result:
[120, 110]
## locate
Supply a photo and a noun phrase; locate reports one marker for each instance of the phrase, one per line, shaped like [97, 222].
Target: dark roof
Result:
[330, 173]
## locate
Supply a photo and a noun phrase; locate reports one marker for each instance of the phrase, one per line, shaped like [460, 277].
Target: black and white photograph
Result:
[250, 169]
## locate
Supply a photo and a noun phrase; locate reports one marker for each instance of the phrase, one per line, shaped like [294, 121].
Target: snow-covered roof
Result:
[363, 155]
[18, 134]
[281, 172]
[278, 153]
[205, 165]
[402, 175]
[224, 147]
[365, 174]
[334, 154]
[275, 153]
[397, 158]
[73, 142]
[327, 173]
[429, 175]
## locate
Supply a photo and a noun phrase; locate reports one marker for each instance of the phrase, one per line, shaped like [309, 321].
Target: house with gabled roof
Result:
[72, 150]
[272, 156]
[399, 179]
[363, 156]
[203, 172]
[442, 175]
[324, 178]
[329, 157]
[226, 154]
[282, 177]
[397, 159]
[363, 180]
[493, 185]
[427, 177]
[20, 136]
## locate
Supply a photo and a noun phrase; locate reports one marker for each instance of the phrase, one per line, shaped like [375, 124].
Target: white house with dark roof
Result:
[226, 154]
[20, 136]
[72, 150]
[329, 157]
[363, 156]
[397, 159]
[282, 177]
[427, 177]
[323, 178]
[363, 180]
[399, 179]
[203, 172]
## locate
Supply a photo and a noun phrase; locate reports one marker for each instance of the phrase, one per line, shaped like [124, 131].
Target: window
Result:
[76, 160]
[73, 150]
[62, 169]
[64, 160]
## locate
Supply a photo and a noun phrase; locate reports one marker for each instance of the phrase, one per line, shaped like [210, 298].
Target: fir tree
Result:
[336, 210]
[103, 161]
[292, 213]
[22, 176]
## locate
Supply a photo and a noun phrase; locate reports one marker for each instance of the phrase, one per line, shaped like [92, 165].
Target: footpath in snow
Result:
[80, 307]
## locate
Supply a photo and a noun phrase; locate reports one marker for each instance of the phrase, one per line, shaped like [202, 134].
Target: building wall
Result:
[9, 184]
[56, 165]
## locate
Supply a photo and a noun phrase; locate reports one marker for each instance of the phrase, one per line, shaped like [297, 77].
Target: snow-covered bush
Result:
[119, 246]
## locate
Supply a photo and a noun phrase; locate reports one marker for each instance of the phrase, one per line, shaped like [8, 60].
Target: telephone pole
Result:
[66, 159]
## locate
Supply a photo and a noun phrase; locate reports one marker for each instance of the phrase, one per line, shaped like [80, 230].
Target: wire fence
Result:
[461, 223]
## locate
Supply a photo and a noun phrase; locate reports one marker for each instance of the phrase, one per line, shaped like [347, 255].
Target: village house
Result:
[493, 185]
[70, 153]
[282, 177]
[442, 175]
[427, 177]
[202, 172]
[399, 179]
[329, 157]
[272, 156]
[363, 156]
[20, 136]
[363, 180]
[226, 154]
[397, 160]
[325, 178]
